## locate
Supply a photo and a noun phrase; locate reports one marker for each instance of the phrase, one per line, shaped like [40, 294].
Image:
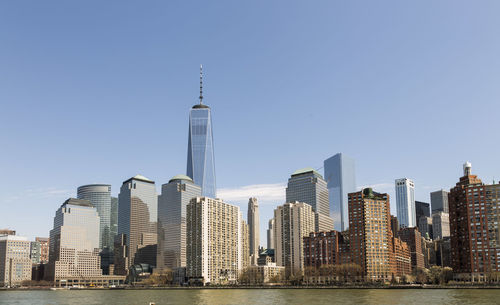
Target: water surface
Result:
[254, 296]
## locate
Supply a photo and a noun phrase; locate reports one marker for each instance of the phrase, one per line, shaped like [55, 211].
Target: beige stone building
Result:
[214, 250]
[245, 245]
[15, 261]
[292, 222]
[74, 246]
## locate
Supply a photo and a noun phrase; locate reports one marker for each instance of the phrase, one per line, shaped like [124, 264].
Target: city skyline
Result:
[58, 92]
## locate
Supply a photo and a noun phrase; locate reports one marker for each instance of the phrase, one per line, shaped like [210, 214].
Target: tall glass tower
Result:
[201, 159]
[341, 180]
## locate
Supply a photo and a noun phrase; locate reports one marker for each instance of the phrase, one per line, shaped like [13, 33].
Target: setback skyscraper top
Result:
[201, 159]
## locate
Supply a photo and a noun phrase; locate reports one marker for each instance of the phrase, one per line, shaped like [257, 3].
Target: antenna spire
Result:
[201, 84]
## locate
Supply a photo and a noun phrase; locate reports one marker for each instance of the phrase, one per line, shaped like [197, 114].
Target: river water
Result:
[254, 296]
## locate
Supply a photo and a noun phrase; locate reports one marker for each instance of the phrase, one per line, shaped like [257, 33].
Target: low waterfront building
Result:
[264, 274]
[15, 261]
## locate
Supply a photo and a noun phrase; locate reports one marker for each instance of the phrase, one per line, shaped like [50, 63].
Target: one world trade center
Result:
[201, 159]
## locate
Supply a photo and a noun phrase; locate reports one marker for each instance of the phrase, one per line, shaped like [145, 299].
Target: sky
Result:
[99, 91]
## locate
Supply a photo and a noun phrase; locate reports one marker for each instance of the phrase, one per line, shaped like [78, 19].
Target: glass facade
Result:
[341, 180]
[307, 185]
[175, 196]
[405, 202]
[100, 197]
[201, 159]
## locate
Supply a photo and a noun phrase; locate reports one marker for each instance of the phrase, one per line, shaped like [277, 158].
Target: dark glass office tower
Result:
[201, 159]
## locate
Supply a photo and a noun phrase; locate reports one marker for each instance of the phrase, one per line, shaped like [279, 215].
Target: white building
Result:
[15, 261]
[215, 238]
[405, 202]
[292, 222]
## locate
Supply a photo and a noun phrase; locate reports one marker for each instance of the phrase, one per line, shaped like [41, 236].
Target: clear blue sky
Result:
[98, 91]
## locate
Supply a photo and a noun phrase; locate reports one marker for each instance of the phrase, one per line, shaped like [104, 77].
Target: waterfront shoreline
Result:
[261, 287]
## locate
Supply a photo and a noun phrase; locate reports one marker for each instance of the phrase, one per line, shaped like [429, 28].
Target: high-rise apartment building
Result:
[172, 203]
[254, 229]
[270, 235]
[100, 197]
[137, 224]
[201, 158]
[245, 246]
[341, 179]
[474, 226]
[15, 262]
[412, 237]
[440, 225]
[292, 222]
[405, 202]
[323, 248]
[307, 185]
[372, 243]
[214, 251]
[439, 201]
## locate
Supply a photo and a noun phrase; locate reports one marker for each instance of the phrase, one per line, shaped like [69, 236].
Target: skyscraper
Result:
[100, 197]
[405, 202]
[201, 158]
[214, 250]
[74, 242]
[439, 201]
[270, 236]
[292, 222]
[74, 247]
[253, 229]
[370, 233]
[341, 180]
[373, 245]
[307, 185]
[440, 225]
[172, 203]
[114, 217]
[137, 224]
[474, 226]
